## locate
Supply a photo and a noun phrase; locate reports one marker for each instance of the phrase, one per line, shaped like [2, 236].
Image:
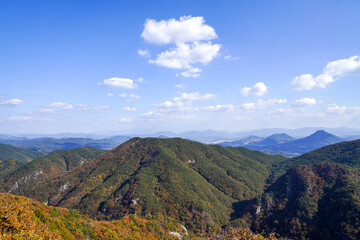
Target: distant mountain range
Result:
[277, 143]
[286, 145]
[48, 145]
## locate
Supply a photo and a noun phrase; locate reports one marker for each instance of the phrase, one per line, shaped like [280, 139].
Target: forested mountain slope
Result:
[187, 180]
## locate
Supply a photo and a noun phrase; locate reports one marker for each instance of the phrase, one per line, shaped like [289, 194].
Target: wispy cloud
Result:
[260, 104]
[124, 120]
[229, 57]
[10, 102]
[220, 108]
[129, 109]
[180, 86]
[60, 105]
[144, 53]
[129, 97]
[23, 118]
[85, 107]
[305, 102]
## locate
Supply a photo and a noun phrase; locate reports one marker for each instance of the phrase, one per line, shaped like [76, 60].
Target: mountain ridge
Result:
[189, 181]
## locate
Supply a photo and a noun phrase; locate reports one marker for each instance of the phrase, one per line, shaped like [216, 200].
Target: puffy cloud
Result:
[24, 118]
[144, 53]
[343, 67]
[263, 104]
[220, 108]
[259, 89]
[187, 29]
[335, 69]
[84, 107]
[185, 55]
[109, 94]
[308, 81]
[129, 109]
[191, 37]
[10, 102]
[305, 102]
[129, 97]
[120, 83]
[60, 105]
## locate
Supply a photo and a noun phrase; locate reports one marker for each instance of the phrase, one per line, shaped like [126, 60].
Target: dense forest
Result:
[178, 184]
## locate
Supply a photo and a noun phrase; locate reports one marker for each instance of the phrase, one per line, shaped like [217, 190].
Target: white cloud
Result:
[186, 99]
[129, 109]
[180, 86]
[140, 80]
[229, 57]
[120, 83]
[182, 104]
[124, 120]
[187, 29]
[10, 102]
[144, 53]
[260, 104]
[129, 97]
[109, 94]
[185, 55]
[334, 108]
[281, 111]
[84, 107]
[259, 89]
[305, 102]
[192, 72]
[220, 108]
[60, 105]
[191, 37]
[248, 106]
[24, 118]
[333, 70]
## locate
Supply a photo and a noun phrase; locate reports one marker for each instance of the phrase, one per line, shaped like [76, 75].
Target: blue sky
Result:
[137, 66]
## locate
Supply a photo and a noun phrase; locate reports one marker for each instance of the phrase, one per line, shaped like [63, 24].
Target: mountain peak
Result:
[322, 132]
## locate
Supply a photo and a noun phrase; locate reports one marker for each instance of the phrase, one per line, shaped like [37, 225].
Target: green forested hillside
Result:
[320, 201]
[189, 181]
[203, 187]
[8, 152]
[41, 169]
[347, 153]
